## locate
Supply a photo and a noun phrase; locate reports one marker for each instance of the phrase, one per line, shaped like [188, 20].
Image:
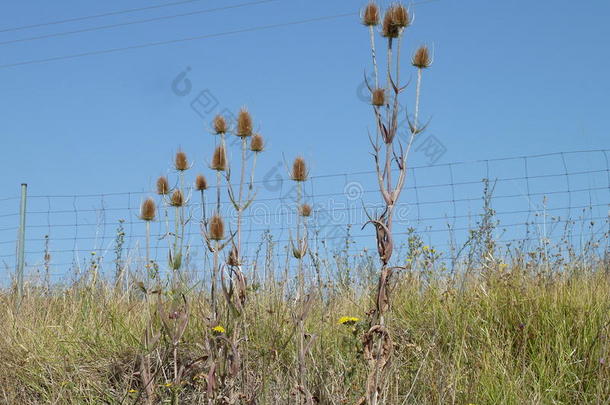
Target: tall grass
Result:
[516, 335]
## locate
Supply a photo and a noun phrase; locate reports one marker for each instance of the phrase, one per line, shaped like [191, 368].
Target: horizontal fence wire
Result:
[545, 198]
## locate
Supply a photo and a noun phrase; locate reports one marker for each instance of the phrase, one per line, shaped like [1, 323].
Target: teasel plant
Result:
[299, 173]
[388, 154]
[235, 286]
[179, 200]
[148, 212]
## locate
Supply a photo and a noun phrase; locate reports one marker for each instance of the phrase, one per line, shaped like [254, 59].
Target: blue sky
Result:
[509, 79]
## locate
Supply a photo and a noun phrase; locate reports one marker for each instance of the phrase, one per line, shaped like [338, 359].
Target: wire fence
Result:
[535, 199]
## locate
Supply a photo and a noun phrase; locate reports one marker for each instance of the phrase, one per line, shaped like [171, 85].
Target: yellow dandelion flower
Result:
[169, 384]
[132, 390]
[218, 329]
[348, 320]
[426, 247]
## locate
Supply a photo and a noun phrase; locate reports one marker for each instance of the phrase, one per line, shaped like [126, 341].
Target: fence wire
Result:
[535, 198]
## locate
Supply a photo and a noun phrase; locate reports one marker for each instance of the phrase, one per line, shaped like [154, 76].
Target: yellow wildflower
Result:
[132, 390]
[348, 320]
[218, 329]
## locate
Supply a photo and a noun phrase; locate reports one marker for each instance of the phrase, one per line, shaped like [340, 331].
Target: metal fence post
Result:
[21, 243]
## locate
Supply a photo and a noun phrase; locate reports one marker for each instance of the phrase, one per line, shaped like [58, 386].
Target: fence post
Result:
[21, 243]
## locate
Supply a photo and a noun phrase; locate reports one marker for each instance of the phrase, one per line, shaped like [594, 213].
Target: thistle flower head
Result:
[177, 199]
[162, 186]
[216, 228]
[421, 58]
[219, 159]
[181, 162]
[220, 125]
[244, 123]
[148, 210]
[378, 97]
[201, 183]
[305, 210]
[370, 15]
[299, 170]
[257, 144]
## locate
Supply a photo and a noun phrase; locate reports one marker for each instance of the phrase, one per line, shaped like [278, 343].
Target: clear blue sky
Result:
[509, 78]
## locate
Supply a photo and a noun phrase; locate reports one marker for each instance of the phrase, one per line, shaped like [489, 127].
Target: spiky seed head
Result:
[421, 58]
[400, 16]
[257, 144]
[177, 199]
[388, 28]
[148, 210]
[181, 162]
[370, 15]
[219, 160]
[244, 123]
[233, 259]
[378, 97]
[220, 125]
[201, 183]
[305, 210]
[216, 228]
[299, 169]
[162, 186]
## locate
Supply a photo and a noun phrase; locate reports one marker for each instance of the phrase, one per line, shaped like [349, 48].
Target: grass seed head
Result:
[370, 15]
[219, 160]
[421, 58]
[299, 170]
[201, 183]
[220, 125]
[257, 144]
[181, 162]
[378, 97]
[148, 210]
[305, 210]
[177, 199]
[162, 186]
[244, 123]
[216, 228]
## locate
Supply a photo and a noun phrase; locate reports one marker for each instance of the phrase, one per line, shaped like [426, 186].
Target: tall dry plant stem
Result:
[377, 341]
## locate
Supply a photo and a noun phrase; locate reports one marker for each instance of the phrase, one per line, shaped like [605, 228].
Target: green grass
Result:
[514, 337]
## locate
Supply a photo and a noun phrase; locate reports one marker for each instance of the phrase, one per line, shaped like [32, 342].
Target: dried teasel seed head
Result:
[370, 15]
[148, 210]
[219, 160]
[201, 183]
[181, 162]
[421, 58]
[233, 259]
[257, 144]
[388, 28]
[216, 228]
[305, 210]
[378, 97]
[220, 125]
[177, 199]
[395, 19]
[162, 186]
[299, 170]
[400, 16]
[244, 123]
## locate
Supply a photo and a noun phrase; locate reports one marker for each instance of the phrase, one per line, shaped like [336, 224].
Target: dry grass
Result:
[510, 337]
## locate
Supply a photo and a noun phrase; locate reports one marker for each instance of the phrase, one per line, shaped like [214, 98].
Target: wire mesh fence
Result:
[535, 199]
